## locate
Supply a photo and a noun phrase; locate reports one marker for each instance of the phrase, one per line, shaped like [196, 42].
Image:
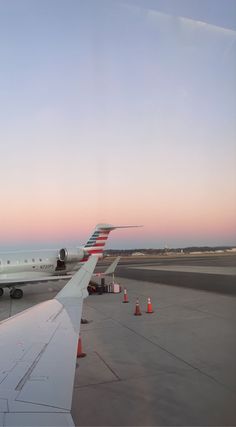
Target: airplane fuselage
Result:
[31, 265]
[21, 268]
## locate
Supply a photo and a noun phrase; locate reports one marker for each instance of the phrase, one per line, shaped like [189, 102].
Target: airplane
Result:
[21, 268]
[38, 350]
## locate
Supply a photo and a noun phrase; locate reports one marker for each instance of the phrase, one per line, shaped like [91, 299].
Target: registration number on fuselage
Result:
[45, 266]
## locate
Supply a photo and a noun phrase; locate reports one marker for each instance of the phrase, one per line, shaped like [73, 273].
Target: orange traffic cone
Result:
[149, 307]
[126, 299]
[79, 349]
[137, 309]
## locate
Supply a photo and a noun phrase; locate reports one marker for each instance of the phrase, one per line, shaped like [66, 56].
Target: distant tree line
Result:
[129, 252]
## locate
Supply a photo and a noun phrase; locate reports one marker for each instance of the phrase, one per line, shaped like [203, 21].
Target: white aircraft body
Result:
[38, 349]
[22, 268]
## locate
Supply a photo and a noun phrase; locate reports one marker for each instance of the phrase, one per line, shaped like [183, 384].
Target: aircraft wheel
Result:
[1, 292]
[16, 293]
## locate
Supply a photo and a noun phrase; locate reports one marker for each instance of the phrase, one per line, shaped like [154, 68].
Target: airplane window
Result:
[40, 259]
[33, 260]
[26, 260]
[8, 262]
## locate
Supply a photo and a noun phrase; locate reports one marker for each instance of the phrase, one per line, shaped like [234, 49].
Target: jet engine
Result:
[71, 255]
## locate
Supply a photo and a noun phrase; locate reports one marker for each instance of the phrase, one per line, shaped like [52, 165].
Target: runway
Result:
[213, 273]
[175, 367]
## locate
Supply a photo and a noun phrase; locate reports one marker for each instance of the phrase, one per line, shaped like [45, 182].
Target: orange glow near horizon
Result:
[47, 226]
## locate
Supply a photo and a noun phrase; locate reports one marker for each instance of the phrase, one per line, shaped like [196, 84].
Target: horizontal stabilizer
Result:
[113, 227]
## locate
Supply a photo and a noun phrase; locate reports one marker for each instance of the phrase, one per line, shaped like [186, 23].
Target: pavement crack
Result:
[105, 363]
[96, 384]
[208, 313]
[179, 358]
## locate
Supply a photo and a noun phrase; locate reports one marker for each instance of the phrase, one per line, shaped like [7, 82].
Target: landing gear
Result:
[1, 292]
[16, 293]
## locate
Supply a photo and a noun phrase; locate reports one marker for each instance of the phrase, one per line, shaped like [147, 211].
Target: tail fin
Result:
[96, 243]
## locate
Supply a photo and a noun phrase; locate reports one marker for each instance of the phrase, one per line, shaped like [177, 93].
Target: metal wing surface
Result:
[112, 267]
[5, 283]
[38, 357]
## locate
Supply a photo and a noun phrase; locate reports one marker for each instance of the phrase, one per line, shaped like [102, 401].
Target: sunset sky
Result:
[118, 111]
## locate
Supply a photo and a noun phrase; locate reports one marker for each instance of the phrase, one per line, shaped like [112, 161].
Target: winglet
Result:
[112, 267]
[77, 285]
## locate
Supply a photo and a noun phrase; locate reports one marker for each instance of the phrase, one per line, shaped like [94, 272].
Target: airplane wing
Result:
[110, 269]
[7, 283]
[38, 357]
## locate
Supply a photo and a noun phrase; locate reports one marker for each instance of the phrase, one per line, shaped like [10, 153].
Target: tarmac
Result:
[213, 273]
[175, 367]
